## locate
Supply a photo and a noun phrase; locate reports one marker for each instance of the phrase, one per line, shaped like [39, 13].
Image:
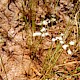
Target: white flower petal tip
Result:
[45, 22]
[37, 34]
[71, 42]
[59, 38]
[62, 42]
[54, 39]
[43, 29]
[62, 34]
[65, 46]
[69, 51]
[45, 34]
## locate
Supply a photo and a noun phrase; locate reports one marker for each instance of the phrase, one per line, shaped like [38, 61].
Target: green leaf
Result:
[78, 69]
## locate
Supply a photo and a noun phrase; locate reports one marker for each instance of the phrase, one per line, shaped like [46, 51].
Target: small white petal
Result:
[69, 51]
[37, 34]
[62, 42]
[56, 38]
[53, 39]
[62, 34]
[59, 38]
[71, 42]
[65, 46]
[45, 34]
[43, 29]
[44, 22]
[48, 20]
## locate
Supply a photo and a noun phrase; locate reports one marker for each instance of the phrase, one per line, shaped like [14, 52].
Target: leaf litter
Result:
[22, 55]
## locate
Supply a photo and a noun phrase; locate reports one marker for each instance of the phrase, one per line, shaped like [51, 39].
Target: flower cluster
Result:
[47, 21]
[64, 46]
[43, 33]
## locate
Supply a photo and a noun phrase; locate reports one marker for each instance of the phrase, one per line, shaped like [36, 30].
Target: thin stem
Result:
[2, 65]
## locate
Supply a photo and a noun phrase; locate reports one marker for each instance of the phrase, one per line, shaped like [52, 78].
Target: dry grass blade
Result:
[3, 68]
[69, 63]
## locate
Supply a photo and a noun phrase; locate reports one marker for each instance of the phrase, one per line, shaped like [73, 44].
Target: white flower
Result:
[48, 21]
[43, 29]
[62, 42]
[37, 34]
[62, 34]
[59, 38]
[45, 34]
[44, 22]
[69, 51]
[71, 42]
[65, 46]
[53, 39]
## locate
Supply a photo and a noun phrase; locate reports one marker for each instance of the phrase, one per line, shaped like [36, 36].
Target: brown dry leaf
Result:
[27, 64]
[70, 67]
[46, 44]
[18, 38]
